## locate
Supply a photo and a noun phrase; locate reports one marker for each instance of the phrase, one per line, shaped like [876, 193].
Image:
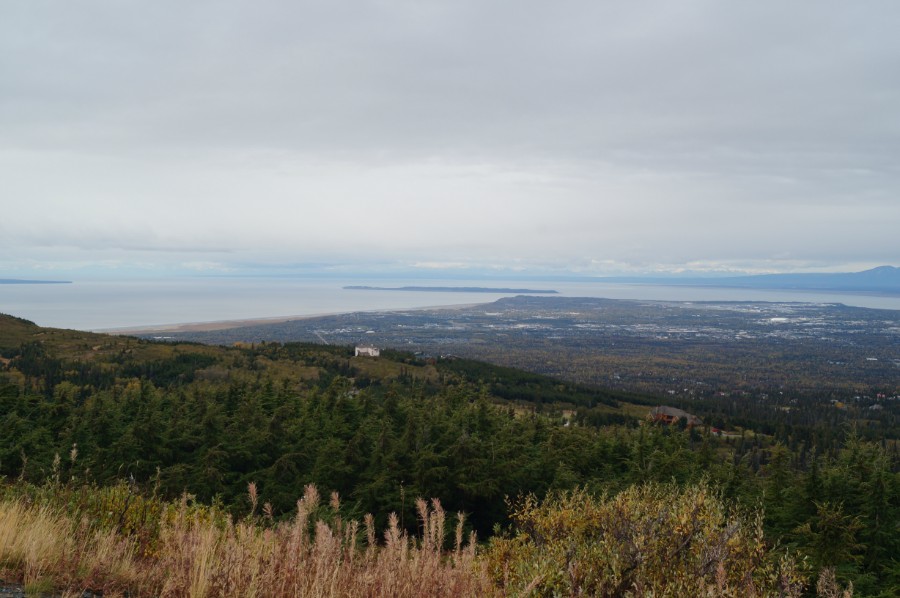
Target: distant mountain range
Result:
[883, 279]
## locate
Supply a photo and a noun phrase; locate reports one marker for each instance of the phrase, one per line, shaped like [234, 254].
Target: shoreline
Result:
[241, 323]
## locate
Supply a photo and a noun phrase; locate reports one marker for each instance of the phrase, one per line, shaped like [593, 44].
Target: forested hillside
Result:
[89, 410]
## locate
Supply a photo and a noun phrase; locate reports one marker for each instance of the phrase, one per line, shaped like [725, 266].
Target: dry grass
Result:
[307, 557]
[645, 541]
[40, 546]
[197, 556]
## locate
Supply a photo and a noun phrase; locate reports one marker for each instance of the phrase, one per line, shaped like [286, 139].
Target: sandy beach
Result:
[226, 324]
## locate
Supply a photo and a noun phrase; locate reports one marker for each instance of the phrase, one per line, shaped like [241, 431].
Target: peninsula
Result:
[456, 290]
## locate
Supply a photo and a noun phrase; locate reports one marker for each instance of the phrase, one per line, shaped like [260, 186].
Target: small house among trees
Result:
[367, 351]
[672, 415]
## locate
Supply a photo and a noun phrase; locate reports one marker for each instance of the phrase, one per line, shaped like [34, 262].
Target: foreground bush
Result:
[649, 540]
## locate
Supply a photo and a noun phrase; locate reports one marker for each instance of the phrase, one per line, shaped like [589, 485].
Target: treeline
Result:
[380, 452]
[380, 447]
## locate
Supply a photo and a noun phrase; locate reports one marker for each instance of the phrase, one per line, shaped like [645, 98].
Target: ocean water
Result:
[106, 304]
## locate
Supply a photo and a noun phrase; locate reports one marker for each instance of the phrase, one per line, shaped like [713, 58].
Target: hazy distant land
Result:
[455, 290]
[20, 281]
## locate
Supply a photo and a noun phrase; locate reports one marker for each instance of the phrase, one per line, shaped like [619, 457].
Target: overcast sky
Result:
[595, 137]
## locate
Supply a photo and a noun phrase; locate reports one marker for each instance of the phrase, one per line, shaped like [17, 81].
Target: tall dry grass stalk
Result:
[199, 555]
[307, 557]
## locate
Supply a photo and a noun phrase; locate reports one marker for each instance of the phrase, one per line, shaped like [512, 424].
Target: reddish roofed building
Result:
[671, 415]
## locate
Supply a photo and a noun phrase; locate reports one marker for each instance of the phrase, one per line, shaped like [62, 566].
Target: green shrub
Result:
[650, 540]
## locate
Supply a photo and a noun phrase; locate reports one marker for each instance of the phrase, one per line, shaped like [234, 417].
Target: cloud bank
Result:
[577, 136]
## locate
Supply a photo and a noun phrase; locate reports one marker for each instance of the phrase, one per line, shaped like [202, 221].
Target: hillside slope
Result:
[86, 416]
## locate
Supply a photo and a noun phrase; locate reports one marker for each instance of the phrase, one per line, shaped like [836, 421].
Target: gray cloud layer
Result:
[583, 135]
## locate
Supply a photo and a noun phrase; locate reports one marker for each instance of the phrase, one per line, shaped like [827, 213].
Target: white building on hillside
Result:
[367, 351]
